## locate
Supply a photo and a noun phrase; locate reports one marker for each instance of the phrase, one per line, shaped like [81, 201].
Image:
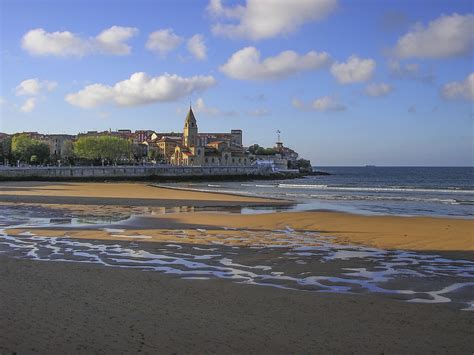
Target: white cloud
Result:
[163, 41]
[197, 47]
[376, 90]
[409, 71]
[460, 89]
[111, 41]
[29, 105]
[259, 112]
[447, 36]
[245, 64]
[266, 19]
[355, 70]
[201, 107]
[140, 89]
[64, 44]
[33, 87]
[327, 103]
[322, 104]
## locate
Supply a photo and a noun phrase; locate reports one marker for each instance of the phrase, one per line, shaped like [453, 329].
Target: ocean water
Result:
[408, 191]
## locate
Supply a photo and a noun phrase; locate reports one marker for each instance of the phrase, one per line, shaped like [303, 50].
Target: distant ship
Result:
[370, 166]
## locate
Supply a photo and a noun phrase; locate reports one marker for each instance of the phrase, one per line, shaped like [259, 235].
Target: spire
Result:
[190, 118]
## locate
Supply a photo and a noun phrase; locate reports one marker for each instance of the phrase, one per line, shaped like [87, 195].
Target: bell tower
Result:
[190, 132]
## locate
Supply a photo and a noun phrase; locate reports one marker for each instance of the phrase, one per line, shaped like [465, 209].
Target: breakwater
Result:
[140, 173]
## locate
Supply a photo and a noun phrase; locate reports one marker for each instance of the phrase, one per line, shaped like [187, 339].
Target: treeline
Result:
[97, 150]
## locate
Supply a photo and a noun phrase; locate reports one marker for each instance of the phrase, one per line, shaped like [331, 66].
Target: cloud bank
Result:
[266, 19]
[447, 36]
[140, 89]
[246, 64]
[111, 41]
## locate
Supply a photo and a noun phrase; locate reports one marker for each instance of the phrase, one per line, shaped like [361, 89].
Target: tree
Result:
[67, 151]
[302, 165]
[253, 148]
[6, 149]
[103, 148]
[24, 147]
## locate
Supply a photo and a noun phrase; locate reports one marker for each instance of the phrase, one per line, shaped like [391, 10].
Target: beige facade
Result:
[201, 150]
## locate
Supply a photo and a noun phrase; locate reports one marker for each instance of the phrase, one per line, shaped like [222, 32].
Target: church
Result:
[208, 149]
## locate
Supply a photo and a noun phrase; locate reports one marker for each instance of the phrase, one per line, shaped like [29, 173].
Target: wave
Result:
[448, 201]
[374, 189]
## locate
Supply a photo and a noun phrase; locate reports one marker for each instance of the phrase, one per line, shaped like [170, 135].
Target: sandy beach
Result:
[392, 232]
[130, 267]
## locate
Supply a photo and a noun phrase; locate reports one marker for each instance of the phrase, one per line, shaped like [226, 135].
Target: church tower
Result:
[190, 133]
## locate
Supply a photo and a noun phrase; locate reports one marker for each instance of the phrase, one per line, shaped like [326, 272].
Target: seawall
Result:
[161, 173]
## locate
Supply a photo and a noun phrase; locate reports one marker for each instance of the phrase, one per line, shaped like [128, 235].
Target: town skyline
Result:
[396, 91]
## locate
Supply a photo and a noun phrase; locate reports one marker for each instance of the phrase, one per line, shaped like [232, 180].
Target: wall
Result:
[119, 172]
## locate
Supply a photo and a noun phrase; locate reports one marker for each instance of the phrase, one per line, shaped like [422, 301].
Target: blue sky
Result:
[366, 82]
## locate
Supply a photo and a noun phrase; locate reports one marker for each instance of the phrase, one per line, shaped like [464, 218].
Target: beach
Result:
[111, 267]
[392, 232]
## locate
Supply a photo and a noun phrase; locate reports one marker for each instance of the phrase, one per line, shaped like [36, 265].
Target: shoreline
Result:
[385, 232]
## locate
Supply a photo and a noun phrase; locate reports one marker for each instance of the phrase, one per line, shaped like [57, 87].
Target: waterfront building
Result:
[209, 149]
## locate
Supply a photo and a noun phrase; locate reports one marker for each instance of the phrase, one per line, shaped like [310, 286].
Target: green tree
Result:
[265, 151]
[24, 147]
[6, 149]
[103, 148]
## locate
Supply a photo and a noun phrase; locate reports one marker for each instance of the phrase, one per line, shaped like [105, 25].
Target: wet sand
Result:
[113, 193]
[82, 308]
[386, 232]
[391, 232]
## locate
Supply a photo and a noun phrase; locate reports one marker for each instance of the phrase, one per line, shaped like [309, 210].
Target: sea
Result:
[370, 190]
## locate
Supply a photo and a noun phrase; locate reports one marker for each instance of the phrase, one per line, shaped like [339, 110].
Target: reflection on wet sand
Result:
[280, 258]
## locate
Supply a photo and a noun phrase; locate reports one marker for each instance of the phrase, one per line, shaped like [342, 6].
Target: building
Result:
[208, 149]
[60, 145]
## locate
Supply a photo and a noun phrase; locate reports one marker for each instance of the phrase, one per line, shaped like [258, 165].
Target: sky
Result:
[347, 82]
